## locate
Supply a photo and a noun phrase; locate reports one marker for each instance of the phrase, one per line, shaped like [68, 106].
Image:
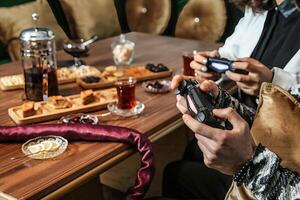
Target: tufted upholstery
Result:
[276, 126]
[150, 16]
[92, 17]
[15, 19]
[202, 19]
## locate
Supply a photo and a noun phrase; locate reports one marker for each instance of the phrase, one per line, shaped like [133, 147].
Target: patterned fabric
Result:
[266, 179]
[225, 100]
[295, 91]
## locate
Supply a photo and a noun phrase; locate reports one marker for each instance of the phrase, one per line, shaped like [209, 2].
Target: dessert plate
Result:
[45, 147]
[162, 86]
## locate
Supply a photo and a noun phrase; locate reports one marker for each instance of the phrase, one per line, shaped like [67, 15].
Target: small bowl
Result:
[165, 86]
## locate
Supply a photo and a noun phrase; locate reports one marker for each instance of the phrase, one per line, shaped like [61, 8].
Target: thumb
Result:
[210, 86]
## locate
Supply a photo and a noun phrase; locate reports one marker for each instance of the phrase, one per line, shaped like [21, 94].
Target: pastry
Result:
[12, 81]
[58, 102]
[111, 69]
[111, 78]
[137, 72]
[28, 109]
[87, 97]
[109, 94]
[66, 73]
[112, 73]
[118, 73]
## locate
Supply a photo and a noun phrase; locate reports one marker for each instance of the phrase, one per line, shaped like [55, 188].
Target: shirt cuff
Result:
[283, 79]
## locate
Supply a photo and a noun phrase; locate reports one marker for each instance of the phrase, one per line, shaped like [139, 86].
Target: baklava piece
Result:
[58, 102]
[87, 97]
[28, 109]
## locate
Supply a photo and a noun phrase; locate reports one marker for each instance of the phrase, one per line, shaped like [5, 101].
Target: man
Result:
[265, 44]
[230, 151]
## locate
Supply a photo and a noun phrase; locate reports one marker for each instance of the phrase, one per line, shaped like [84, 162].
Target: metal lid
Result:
[36, 34]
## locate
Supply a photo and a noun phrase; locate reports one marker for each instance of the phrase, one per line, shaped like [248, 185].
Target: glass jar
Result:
[38, 53]
[123, 51]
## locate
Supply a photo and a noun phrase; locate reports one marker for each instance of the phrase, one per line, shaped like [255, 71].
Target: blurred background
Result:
[206, 20]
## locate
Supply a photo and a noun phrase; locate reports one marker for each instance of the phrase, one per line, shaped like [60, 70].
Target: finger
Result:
[239, 77]
[214, 53]
[181, 104]
[246, 66]
[208, 75]
[200, 128]
[210, 86]
[197, 66]
[199, 78]
[208, 143]
[201, 58]
[208, 157]
[252, 61]
[229, 114]
[178, 79]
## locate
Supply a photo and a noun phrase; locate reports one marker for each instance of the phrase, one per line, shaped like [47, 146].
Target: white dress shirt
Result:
[245, 38]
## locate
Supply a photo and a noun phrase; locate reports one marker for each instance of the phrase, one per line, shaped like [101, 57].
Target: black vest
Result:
[278, 43]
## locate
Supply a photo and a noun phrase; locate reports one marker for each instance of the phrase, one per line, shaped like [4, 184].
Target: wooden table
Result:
[34, 179]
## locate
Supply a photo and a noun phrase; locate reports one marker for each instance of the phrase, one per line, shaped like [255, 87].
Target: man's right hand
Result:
[199, 65]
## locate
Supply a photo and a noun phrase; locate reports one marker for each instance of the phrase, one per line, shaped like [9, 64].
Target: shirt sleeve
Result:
[268, 180]
[232, 45]
[225, 100]
[285, 79]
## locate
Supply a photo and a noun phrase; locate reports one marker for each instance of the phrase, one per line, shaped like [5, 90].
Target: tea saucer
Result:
[136, 110]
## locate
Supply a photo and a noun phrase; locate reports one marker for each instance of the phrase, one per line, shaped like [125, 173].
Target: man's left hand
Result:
[250, 83]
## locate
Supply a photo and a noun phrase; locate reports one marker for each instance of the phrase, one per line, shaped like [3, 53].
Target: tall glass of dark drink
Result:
[187, 58]
[126, 93]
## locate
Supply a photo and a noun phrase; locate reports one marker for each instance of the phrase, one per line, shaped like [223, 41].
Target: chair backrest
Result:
[149, 16]
[276, 126]
[202, 19]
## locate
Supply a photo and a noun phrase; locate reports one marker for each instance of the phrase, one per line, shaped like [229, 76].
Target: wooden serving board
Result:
[148, 75]
[46, 112]
[18, 79]
[5, 87]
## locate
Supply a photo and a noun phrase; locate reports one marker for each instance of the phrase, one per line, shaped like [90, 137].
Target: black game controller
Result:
[221, 65]
[200, 104]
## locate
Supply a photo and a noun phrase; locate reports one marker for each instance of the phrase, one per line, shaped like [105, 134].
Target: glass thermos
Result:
[38, 54]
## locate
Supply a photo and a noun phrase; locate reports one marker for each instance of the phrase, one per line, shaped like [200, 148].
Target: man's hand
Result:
[206, 86]
[223, 150]
[250, 83]
[199, 65]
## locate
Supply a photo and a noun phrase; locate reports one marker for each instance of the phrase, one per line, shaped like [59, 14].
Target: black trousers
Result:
[189, 178]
